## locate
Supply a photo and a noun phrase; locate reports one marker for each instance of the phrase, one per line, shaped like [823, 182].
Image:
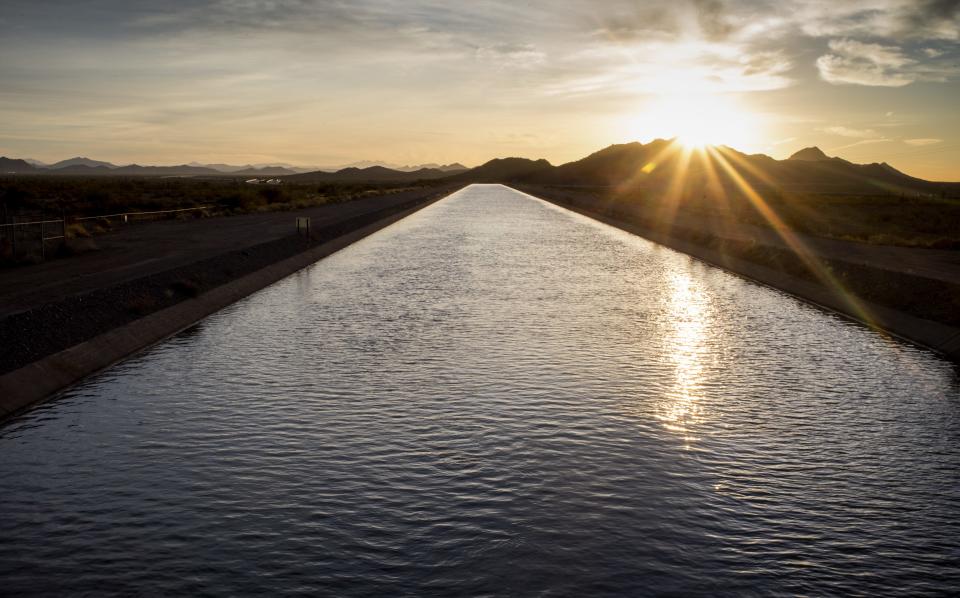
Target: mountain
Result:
[455, 167]
[229, 168]
[13, 165]
[363, 164]
[36, 163]
[810, 154]
[132, 170]
[181, 170]
[371, 174]
[505, 170]
[252, 170]
[611, 166]
[665, 166]
[265, 171]
[662, 166]
[80, 162]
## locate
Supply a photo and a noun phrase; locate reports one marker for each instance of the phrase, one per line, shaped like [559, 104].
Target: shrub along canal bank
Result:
[920, 309]
[57, 343]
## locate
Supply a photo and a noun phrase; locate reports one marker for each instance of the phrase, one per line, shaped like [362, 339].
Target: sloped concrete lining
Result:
[38, 381]
[941, 338]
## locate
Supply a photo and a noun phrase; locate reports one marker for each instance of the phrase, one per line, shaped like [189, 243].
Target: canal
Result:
[495, 396]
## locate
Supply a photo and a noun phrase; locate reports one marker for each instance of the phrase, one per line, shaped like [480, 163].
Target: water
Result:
[496, 396]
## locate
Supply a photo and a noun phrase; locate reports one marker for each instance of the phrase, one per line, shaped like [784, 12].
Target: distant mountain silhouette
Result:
[80, 162]
[131, 170]
[613, 165]
[372, 174]
[455, 167]
[363, 164]
[250, 169]
[810, 154]
[228, 168]
[506, 170]
[660, 166]
[265, 171]
[663, 165]
[13, 165]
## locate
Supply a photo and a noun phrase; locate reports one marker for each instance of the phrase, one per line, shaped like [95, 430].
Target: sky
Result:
[327, 83]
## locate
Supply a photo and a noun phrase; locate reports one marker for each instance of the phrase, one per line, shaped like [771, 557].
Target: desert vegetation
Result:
[92, 196]
[93, 205]
[906, 221]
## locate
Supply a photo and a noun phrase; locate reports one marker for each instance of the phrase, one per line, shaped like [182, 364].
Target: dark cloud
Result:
[926, 14]
[713, 19]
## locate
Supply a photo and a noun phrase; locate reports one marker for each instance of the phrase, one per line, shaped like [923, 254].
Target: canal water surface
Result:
[495, 396]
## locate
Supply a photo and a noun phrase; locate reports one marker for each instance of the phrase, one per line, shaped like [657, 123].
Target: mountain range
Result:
[665, 166]
[81, 166]
[85, 166]
[660, 166]
[371, 174]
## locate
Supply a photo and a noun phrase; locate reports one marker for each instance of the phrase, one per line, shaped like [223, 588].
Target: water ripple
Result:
[496, 397]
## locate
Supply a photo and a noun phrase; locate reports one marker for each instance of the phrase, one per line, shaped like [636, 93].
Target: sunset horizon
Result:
[320, 84]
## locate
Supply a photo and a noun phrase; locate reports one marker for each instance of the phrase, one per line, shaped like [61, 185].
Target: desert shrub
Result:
[77, 230]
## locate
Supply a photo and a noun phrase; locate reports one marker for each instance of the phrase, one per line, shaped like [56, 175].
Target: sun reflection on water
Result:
[683, 411]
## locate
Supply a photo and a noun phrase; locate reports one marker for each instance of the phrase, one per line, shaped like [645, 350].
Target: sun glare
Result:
[697, 121]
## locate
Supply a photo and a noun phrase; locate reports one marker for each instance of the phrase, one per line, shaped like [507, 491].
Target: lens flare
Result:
[697, 121]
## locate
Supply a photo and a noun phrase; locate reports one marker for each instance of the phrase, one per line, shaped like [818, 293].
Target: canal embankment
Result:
[922, 309]
[85, 323]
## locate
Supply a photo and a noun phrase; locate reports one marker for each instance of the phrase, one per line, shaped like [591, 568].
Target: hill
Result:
[372, 174]
[79, 161]
[665, 165]
[265, 171]
[505, 170]
[13, 165]
[132, 170]
[809, 154]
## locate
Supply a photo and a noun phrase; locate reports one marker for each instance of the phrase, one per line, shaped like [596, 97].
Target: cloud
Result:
[925, 141]
[848, 132]
[846, 65]
[672, 68]
[344, 71]
[512, 55]
[713, 19]
[854, 62]
[857, 143]
[892, 19]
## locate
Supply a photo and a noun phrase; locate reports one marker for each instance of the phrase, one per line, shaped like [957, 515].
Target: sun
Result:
[697, 121]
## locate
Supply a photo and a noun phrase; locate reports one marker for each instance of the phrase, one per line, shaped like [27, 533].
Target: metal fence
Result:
[33, 237]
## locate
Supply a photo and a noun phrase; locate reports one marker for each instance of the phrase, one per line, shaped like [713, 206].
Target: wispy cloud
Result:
[850, 132]
[858, 143]
[922, 141]
[860, 63]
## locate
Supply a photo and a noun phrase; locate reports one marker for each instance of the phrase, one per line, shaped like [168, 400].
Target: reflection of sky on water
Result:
[688, 309]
